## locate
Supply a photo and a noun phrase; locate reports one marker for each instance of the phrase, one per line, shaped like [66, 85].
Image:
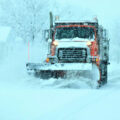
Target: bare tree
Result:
[24, 16]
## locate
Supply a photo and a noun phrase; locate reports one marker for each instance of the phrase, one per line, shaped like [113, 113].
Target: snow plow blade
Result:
[59, 66]
[58, 70]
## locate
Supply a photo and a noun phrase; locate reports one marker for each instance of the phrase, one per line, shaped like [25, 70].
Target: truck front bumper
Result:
[59, 66]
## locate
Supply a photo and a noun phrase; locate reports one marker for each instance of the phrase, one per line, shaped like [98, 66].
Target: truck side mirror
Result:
[46, 35]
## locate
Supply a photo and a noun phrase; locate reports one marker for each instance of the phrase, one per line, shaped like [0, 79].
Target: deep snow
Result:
[23, 97]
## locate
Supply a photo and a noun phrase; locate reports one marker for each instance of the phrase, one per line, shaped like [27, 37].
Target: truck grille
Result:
[72, 54]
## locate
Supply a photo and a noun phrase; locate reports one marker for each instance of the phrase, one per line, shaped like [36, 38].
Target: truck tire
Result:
[103, 70]
[59, 74]
[46, 74]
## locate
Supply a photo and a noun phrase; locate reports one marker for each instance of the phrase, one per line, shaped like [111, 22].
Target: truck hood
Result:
[63, 44]
[76, 42]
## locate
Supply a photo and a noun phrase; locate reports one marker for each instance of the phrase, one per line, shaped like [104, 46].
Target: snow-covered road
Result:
[25, 98]
[34, 104]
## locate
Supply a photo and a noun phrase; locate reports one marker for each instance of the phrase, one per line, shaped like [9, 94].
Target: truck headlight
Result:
[55, 43]
[89, 43]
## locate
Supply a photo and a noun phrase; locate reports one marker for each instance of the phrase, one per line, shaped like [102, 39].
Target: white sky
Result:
[4, 33]
[107, 11]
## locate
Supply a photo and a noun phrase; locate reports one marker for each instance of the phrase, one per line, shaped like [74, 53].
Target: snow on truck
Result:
[75, 47]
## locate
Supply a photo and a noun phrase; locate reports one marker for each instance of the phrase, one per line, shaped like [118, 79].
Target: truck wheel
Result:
[103, 70]
[59, 74]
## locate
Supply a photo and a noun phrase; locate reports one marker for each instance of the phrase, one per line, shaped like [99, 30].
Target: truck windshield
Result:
[74, 32]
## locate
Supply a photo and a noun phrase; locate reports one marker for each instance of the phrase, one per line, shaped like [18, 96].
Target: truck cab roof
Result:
[81, 21]
[92, 23]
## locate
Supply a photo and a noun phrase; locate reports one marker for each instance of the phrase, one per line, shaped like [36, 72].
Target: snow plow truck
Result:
[74, 46]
